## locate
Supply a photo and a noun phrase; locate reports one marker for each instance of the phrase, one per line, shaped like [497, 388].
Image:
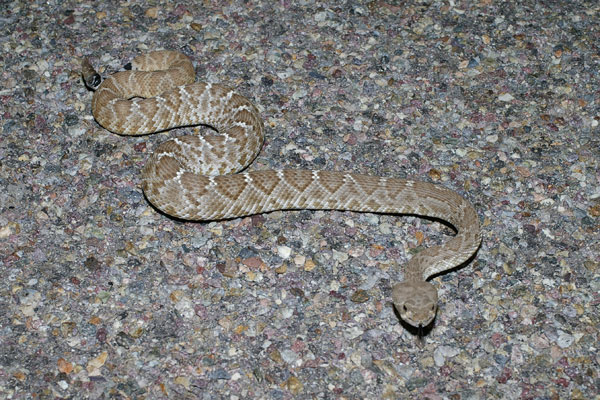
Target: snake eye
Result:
[404, 308]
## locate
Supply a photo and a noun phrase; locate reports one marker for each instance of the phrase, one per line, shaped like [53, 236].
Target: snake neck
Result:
[412, 273]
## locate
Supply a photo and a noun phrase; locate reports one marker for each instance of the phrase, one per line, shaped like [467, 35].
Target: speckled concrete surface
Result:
[102, 297]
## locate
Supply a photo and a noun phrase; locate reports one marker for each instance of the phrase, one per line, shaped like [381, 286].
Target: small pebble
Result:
[284, 252]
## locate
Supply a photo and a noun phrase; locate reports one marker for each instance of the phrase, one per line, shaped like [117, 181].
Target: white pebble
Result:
[284, 252]
[287, 313]
[492, 138]
[289, 356]
[441, 353]
[385, 228]
[564, 340]
[506, 97]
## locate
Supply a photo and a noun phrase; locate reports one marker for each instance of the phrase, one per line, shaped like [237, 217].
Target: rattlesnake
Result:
[198, 177]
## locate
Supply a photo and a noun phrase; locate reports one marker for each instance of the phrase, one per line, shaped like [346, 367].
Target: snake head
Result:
[416, 302]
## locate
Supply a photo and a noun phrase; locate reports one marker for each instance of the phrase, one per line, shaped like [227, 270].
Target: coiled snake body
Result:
[198, 178]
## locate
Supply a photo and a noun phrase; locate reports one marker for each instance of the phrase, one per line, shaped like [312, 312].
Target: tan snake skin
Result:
[196, 178]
